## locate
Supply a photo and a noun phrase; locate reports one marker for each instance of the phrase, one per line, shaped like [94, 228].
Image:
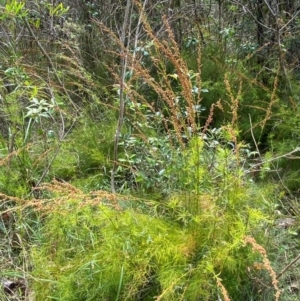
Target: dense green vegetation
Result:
[149, 150]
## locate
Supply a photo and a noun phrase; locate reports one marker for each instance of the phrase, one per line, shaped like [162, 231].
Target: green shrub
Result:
[98, 253]
[284, 144]
[85, 157]
[182, 247]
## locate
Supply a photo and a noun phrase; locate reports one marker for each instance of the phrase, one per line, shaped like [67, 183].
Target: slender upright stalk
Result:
[124, 58]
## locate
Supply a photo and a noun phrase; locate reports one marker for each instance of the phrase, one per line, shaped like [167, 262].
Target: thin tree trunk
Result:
[122, 99]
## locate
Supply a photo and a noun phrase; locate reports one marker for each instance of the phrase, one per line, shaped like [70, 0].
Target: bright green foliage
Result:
[99, 253]
[219, 205]
[58, 10]
[15, 9]
[173, 249]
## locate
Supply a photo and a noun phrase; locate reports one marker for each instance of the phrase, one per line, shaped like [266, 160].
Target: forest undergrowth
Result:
[172, 174]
